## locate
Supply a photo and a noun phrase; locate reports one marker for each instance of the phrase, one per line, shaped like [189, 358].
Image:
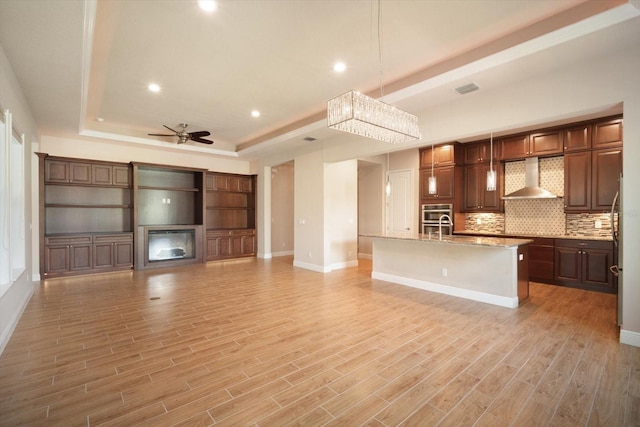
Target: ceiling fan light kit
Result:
[184, 136]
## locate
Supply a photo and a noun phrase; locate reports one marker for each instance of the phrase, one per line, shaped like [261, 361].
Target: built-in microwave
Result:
[431, 215]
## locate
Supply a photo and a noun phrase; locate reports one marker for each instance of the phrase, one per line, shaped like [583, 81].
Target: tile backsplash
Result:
[539, 216]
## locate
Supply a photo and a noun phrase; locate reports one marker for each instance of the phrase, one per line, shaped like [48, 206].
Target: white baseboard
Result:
[312, 267]
[282, 253]
[264, 255]
[346, 264]
[13, 322]
[630, 338]
[365, 256]
[448, 290]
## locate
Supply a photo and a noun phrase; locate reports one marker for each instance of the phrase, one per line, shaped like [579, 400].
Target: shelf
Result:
[195, 190]
[64, 205]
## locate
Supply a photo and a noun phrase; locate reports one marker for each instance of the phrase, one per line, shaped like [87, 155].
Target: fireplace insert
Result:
[171, 244]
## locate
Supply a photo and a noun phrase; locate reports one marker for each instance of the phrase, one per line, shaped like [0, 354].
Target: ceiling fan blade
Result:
[199, 134]
[170, 129]
[158, 134]
[202, 140]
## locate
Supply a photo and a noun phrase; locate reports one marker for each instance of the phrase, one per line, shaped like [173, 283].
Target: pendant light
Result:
[491, 174]
[387, 188]
[433, 185]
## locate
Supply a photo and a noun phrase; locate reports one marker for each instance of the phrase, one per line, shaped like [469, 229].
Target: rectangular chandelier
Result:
[359, 114]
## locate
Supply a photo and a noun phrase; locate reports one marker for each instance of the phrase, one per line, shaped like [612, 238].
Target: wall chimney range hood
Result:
[531, 190]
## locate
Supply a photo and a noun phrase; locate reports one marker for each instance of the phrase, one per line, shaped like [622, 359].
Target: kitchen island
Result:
[493, 270]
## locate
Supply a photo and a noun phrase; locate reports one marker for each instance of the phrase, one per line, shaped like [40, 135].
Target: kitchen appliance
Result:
[531, 189]
[616, 231]
[431, 215]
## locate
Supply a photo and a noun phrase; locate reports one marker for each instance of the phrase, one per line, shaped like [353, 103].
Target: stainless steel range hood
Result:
[531, 190]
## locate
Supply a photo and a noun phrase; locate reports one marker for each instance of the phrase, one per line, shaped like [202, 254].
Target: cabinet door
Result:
[514, 147]
[472, 180]
[567, 265]
[444, 183]
[56, 259]
[490, 200]
[541, 263]
[605, 175]
[122, 176]
[473, 153]
[595, 267]
[101, 174]
[442, 155]
[103, 255]
[80, 173]
[545, 143]
[607, 134]
[123, 254]
[80, 257]
[248, 245]
[577, 138]
[246, 184]
[577, 181]
[56, 171]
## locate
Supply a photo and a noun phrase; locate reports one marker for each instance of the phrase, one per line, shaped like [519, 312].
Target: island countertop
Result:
[499, 242]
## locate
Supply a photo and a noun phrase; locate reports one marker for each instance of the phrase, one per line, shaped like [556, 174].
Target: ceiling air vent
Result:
[462, 90]
[310, 139]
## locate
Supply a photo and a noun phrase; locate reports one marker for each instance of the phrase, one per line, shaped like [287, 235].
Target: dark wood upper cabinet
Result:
[591, 179]
[607, 134]
[445, 180]
[606, 168]
[56, 171]
[545, 143]
[476, 196]
[480, 152]
[577, 181]
[577, 138]
[514, 147]
[80, 173]
[443, 155]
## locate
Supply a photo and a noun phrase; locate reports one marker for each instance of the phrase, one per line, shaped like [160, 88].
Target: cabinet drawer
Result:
[585, 244]
[541, 241]
[110, 238]
[67, 240]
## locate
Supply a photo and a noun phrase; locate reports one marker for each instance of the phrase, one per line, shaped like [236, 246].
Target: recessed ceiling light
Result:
[208, 5]
[255, 113]
[339, 67]
[153, 87]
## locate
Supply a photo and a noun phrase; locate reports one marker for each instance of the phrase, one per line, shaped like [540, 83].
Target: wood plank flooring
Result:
[259, 342]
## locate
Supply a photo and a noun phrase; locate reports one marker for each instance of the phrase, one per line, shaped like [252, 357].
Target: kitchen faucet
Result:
[447, 217]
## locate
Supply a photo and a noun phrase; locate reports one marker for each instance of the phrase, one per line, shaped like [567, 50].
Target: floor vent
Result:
[310, 139]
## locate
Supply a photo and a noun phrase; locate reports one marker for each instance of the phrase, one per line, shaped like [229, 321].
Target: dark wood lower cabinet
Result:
[81, 254]
[224, 244]
[541, 260]
[584, 264]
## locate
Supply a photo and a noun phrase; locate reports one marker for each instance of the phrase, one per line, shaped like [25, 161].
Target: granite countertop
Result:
[497, 242]
[520, 235]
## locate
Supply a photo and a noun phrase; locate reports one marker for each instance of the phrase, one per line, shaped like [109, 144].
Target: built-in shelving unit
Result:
[98, 216]
[230, 216]
[170, 199]
[86, 214]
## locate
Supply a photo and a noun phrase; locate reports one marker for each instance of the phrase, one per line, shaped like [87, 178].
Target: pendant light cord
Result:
[380, 47]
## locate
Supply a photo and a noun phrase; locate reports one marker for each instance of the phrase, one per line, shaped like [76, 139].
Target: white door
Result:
[400, 202]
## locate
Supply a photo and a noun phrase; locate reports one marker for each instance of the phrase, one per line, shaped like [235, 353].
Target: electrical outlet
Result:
[444, 272]
[598, 224]
[478, 221]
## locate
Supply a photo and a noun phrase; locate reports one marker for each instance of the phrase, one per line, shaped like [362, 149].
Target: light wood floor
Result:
[259, 342]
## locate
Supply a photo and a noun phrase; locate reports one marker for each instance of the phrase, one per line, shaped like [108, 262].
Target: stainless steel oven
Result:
[431, 215]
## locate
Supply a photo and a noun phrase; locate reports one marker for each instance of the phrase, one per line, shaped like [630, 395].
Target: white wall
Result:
[15, 296]
[341, 214]
[282, 209]
[371, 202]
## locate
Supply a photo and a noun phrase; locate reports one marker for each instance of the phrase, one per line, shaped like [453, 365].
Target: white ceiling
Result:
[80, 60]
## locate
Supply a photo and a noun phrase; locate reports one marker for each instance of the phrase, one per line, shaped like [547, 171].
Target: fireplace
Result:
[169, 245]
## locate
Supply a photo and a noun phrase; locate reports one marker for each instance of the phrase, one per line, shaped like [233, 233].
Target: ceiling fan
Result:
[185, 136]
